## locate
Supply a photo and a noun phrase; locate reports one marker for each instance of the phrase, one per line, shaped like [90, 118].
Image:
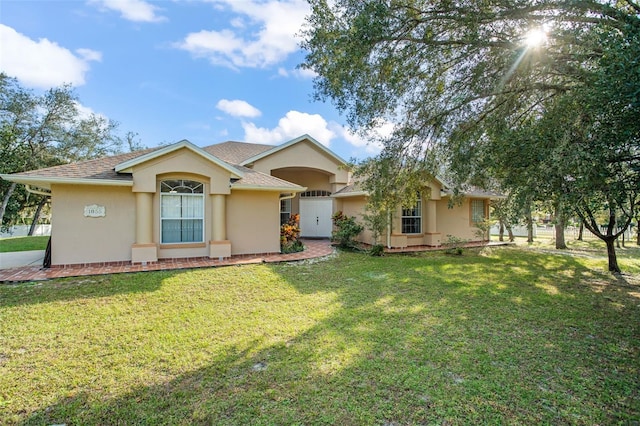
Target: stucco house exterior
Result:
[183, 201]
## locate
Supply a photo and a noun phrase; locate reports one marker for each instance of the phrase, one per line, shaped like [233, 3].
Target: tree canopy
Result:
[541, 98]
[45, 130]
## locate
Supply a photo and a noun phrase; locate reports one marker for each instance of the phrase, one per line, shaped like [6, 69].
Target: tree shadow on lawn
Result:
[84, 287]
[411, 342]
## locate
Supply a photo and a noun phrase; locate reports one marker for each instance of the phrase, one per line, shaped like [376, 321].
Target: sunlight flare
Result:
[535, 37]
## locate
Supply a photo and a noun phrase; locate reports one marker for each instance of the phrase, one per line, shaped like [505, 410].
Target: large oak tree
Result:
[45, 130]
[555, 83]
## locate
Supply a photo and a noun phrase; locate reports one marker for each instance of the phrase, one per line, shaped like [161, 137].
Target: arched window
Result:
[181, 211]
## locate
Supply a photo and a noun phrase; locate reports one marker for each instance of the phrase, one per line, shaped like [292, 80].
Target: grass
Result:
[23, 243]
[517, 335]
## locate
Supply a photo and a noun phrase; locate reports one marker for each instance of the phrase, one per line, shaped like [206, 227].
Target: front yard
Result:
[23, 243]
[502, 336]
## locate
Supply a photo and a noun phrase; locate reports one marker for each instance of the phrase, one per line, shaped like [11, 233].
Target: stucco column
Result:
[144, 249]
[144, 217]
[219, 212]
[431, 235]
[219, 246]
[431, 217]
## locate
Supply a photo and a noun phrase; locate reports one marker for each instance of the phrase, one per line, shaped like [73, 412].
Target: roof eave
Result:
[268, 188]
[46, 182]
[351, 194]
[477, 196]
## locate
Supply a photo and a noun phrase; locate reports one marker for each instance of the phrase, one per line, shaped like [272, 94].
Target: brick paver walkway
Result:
[313, 249]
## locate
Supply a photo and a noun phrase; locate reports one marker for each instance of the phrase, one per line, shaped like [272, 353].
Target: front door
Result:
[315, 217]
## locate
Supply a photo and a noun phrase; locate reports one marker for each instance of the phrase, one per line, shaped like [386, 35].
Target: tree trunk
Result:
[529, 220]
[560, 242]
[36, 216]
[5, 201]
[510, 232]
[638, 232]
[581, 231]
[501, 232]
[559, 227]
[611, 255]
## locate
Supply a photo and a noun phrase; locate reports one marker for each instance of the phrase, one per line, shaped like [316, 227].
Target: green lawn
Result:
[23, 244]
[512, 335]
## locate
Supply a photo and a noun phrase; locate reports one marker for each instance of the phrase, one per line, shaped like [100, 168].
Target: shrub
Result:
[454, 245]
[377, 250]
[346, 230]
[290, 235]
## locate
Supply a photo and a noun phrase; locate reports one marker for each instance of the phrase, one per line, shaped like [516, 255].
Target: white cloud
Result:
[238, 108]
[132, 10]
[275, 23]
[85, 112]
[370, 145]
[43, 63]
[302, 74]
[89, 55]
[292, 125]
[296, 123]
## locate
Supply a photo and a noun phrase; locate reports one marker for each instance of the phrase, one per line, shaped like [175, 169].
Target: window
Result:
[412, 218]
[285, 211]
[477, 211]
[181, 211]
[315, 193]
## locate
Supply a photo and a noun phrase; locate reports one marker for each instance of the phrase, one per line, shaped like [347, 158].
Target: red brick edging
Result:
[313, 249]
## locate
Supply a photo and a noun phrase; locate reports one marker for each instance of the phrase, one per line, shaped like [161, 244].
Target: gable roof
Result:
[286, 145]
[126, 166]
[99, 171]
[116, 170]
[236, 152]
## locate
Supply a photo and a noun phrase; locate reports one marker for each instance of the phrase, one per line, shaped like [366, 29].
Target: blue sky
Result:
[203, 70]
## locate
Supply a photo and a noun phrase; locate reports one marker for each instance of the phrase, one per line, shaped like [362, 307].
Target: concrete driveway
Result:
[17, 259]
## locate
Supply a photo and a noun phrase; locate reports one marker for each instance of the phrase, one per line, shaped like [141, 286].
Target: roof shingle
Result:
[236, 152]
[99, 169]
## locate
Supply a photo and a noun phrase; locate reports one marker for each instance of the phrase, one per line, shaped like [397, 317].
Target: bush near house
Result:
[454, 245]
[347, 229]
[290, 235]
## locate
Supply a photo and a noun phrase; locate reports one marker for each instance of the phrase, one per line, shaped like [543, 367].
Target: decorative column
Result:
[219, 210]
[431, 216]
[219, 246]
[144, 250]
[431, 236]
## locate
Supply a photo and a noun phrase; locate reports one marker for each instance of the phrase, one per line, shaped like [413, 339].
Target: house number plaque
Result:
[95, 210]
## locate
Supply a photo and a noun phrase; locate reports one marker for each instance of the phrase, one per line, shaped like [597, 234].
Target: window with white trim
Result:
[315, 193]
[285, 211]
[477, 211]
[181, 211]
[412, 218]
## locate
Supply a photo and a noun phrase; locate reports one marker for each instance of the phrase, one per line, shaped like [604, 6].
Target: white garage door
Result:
[315, 217]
